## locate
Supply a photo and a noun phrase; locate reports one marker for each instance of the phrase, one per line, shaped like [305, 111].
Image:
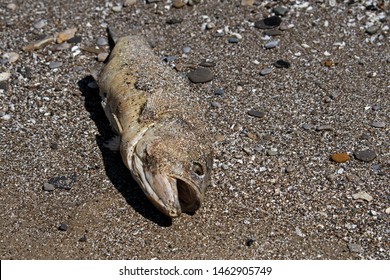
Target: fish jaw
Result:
[171, 195]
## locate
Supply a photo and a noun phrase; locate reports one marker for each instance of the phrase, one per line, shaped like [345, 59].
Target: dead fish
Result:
[162, 139]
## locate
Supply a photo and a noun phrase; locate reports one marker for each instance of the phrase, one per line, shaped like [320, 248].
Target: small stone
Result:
[247, 150]
[11, 57]
[340, 157]
[247, 2]
[290, 169]
[63, 182]
[215, 104]
[271, 44]
[282, 64]
[174, 21]
[4, 76]
[102, 41]
[129, 3]
[251, 135]
[371, 30]
[272, 32]
[210, 25]
[299, 232]
[378, 124]
[365, 155]
[307, 126]
[55, 64]
[362, 195]
[233, 40]
[200, 75]
[61, 47]
[280, 11]
[272, 152]
[387, 210]
[102, 56]
[268, 23]
[265, 71]
[207, 63]
[48, 187]
[83, 239]
[328, 63]
[249, 242]
[170, 58]
[351, 178]
[219, 137]
[66, 35]
[63, 227]
[40, 23]
[116, 9]
[178, 4]
[75, 40]
[54, 146]
[11, 6]
[324, 127]
[355, 248]
[186, 49]
[225, 166]
[256, 113]
[219, 92]
[331, 178]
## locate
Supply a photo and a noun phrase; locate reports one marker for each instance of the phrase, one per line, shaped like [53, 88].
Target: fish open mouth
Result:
[189, 196]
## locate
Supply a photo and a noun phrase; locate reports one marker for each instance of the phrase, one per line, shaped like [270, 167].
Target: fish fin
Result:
[113, 144]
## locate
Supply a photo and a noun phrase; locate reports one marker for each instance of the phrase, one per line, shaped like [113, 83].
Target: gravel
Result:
[284, 203]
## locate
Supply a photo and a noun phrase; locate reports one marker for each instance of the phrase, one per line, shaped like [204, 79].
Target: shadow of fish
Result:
[161, 134]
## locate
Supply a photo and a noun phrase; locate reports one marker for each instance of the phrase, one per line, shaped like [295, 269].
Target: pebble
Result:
[271, 44]
[256, 113]
[280, 11]
[40, 23]
[324, 127]
[219, 92]
[282, 64]
[340, 157]
[247, 2]
[307, 126]
[178, 3]
[268, 23]
[265, 71]
[216, 104]
[219, 137]
[75, 40]
[102, 41]
[233, 40]
[83, 239]
[102, 56]
[362, 195]
[272, 32]
[387, 210]
[66, 35]
[224, 166]
[200, 75]
[355, 248]
[371, 30]
[170, 58]
[186, 49]
[299, 232]
[4, 77]
[207, 63]
[290, 169]
[249, 242]
[48, 187]
[365, 155]
[11, 6]
[63, 227]
[128, 3]
[55, 64]
[378, 124]
[174, 21]
[63, 182]
[251, 135]
[272, 152]
[62, 46]
[116, 9]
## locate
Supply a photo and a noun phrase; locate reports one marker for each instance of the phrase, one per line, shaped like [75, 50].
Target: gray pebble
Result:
[355, 248]
[272, 152]
[371, 30]
[268, 23]
[62, 46]
[233, 40]
[4, 76]
[256, 113]
[224, 166]
[170, 58]
[63, 227]
[102, 41]
[307, 126]
[365, 155]
[200, 75]
[376, 107]
[48, 187]
[63, 182]
[324, 127]
[55, 64]
[280, 11]
[117, 9]
[207, 63]
[102, 56]
[378, 124]
[186, 49]
[215, 104]
[40, 23]
[290, 169]
[271, 44]
[219, 91]
[265, 71]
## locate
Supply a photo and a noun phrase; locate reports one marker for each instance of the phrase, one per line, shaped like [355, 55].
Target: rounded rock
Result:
[268, 23]
[63, 227]
[378, 124]
[186, 49]
[340, 157]
[40, 23]
[365, 155]
[256, 113]
[55, 64]
[101, 41]
[219, 92]
[282, 64]
[265, 71]
[200, 75]
[271, 44]
[215, 104]
[233, 40]
[102, 56]
[48, 187]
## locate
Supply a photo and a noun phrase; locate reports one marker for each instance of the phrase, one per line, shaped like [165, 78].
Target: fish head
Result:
[172, 163]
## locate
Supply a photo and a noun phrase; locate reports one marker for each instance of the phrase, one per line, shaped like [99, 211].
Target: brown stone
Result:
[340, 157]
[66, 35]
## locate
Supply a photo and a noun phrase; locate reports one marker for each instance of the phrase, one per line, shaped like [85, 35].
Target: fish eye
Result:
[197, 168]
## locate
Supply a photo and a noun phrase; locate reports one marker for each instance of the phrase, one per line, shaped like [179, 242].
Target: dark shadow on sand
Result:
[115, 169]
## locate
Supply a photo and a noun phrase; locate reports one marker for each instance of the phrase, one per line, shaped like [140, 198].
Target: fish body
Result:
[162, 138]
